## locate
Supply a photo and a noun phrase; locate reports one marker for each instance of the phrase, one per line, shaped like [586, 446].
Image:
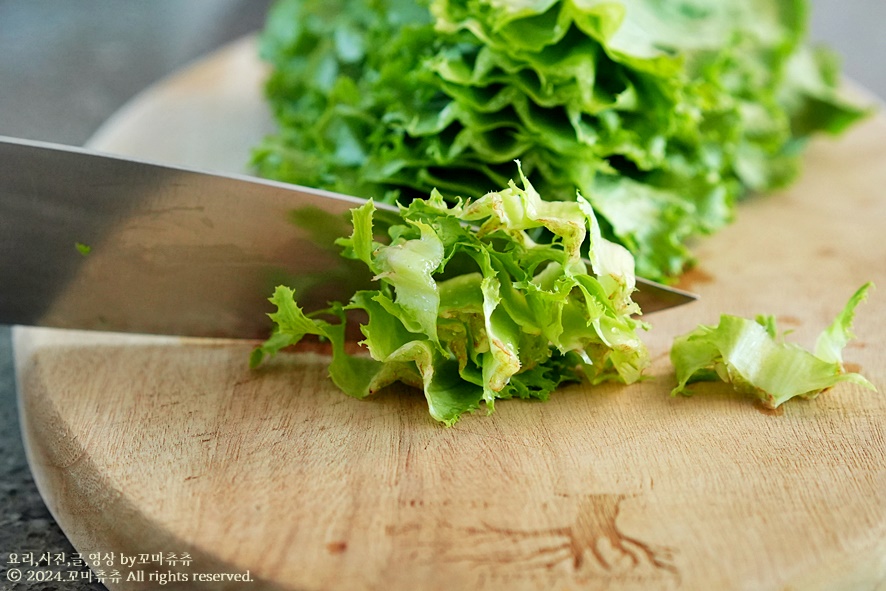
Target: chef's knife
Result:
[93, 241]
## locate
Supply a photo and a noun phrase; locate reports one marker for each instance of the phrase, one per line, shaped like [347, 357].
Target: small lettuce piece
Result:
[471, 309]
[751, 355]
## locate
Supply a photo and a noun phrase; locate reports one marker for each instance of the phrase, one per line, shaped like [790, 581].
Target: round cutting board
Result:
[159, 445]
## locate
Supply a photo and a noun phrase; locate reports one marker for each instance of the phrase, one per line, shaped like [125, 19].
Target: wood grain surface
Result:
[145, 445]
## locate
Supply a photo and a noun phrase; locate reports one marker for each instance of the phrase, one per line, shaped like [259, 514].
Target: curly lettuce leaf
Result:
[662, 114]
[750, 355]
[471, 315]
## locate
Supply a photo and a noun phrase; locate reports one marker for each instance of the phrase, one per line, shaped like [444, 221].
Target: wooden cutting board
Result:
[146, 445]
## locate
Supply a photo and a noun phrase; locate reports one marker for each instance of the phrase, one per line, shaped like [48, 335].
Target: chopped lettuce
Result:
[471, 309]
[756, 360]
[662, 114]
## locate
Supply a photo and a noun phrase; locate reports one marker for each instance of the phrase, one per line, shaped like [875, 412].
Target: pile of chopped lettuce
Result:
[756, 360]
[662, 114]
[471, 309]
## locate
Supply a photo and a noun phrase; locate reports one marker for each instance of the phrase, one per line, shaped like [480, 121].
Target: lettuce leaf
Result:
[662, 114]
[471, 309]
[755, 359]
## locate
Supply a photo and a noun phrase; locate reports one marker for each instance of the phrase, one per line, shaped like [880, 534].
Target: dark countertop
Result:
[65, 67]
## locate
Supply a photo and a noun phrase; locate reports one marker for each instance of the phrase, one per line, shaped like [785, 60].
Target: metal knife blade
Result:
[93, 241]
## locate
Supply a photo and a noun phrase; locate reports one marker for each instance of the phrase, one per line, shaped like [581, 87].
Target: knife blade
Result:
[98, 242]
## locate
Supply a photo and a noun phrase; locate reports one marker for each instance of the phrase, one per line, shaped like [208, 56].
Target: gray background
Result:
[66, 66]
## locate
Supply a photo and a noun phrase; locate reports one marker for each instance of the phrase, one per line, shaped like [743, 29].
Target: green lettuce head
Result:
[662, 114]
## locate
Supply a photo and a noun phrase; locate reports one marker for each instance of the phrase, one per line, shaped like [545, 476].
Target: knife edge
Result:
[98, 242]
